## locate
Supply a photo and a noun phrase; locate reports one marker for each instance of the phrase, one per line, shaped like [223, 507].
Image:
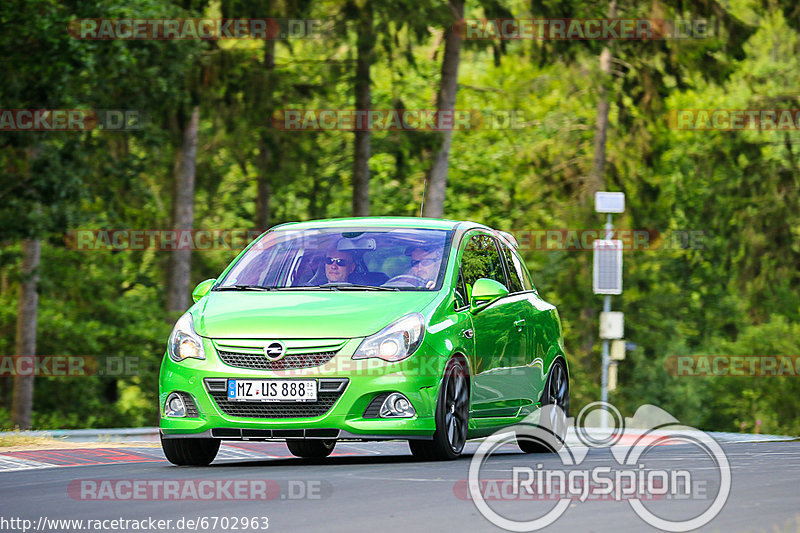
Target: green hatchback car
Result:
[364, 329]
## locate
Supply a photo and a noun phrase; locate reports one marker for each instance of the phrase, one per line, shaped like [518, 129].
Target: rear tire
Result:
[452, 416]
[551, 433]
[311, 449]
[190, 452]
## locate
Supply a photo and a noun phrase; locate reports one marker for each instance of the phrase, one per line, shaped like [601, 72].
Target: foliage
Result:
[733, 291]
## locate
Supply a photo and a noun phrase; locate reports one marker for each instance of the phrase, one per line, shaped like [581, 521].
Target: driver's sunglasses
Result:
[423, 262]
[338, 260]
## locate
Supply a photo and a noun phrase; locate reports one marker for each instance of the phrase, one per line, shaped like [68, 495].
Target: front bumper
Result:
[417, 377]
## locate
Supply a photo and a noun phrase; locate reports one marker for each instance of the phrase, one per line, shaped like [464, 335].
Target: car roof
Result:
[381, 222]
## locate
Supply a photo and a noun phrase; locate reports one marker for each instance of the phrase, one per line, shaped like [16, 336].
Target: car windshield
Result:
[342, 259]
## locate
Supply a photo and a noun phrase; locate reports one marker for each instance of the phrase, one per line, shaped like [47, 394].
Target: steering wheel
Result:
[406, 280]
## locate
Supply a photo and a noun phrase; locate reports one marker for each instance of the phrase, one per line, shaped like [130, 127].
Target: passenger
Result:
[425, 264]
[309, 266]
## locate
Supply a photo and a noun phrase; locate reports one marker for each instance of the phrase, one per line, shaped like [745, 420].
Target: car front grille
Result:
[373, 410]
[328, 392]
[289, 362]
[299, 353]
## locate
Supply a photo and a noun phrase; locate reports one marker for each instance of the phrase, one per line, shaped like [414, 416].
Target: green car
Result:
[364, 329]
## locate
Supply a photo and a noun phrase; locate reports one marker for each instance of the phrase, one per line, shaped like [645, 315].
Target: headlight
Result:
[396, 341]
[184, 342]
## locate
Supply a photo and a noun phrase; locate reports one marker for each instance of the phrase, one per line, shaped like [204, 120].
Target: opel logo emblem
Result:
[274, 351]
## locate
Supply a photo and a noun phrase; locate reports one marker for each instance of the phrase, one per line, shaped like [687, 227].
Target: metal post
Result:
[604, 391]
[606, 309]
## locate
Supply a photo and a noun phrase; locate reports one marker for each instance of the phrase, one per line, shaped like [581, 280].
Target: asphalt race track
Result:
[371, 487]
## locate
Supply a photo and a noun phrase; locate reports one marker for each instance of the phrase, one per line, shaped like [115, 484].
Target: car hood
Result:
[329, 314]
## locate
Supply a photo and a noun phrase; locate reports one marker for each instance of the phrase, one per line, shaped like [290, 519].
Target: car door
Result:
[499, 341]
[529, 373]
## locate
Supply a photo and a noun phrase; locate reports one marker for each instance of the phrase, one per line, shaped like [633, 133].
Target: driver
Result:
[338, 265]
[425, 264]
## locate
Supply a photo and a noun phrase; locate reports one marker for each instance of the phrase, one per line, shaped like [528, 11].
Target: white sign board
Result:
[609, 202]
[617, 350]
[612, 325]
[607, 267]
[612, 377]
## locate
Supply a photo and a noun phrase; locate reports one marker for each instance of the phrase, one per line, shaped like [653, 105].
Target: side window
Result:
[514, 269]
[462, 299]
[526, 279]
[481, 260]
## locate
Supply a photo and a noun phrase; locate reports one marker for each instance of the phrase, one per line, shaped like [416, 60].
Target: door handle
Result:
[467, 333]
[520, 323]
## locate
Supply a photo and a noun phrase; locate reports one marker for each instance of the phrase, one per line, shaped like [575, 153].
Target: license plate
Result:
[272, 390]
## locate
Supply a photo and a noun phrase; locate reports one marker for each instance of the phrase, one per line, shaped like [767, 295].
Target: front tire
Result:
[190, 452]
[311, 449]
[551, 433]
[452, 416]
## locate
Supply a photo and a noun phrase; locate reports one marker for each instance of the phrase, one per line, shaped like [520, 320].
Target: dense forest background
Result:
[594, 116]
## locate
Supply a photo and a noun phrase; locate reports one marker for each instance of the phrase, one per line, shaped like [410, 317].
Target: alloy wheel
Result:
[456, 408]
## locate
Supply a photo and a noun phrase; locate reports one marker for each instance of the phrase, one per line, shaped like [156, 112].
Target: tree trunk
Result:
[436, 182]
[362, 82]
[263, 185]
[266, 143]
[27, 315]
[316, 201]
[597, 180]
[180, 261]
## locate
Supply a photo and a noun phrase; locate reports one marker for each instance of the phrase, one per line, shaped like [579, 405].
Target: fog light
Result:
[174, 406]
[397, 406]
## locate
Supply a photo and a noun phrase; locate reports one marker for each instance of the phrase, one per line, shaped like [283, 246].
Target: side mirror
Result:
[202, 289]
[484, 291]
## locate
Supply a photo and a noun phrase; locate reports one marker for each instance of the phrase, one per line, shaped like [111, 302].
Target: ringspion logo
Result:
[628, 476]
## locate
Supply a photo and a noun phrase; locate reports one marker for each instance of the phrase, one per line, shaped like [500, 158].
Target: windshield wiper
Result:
[243, 287]
[326, 287]
[337, 287]
[356, 286]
